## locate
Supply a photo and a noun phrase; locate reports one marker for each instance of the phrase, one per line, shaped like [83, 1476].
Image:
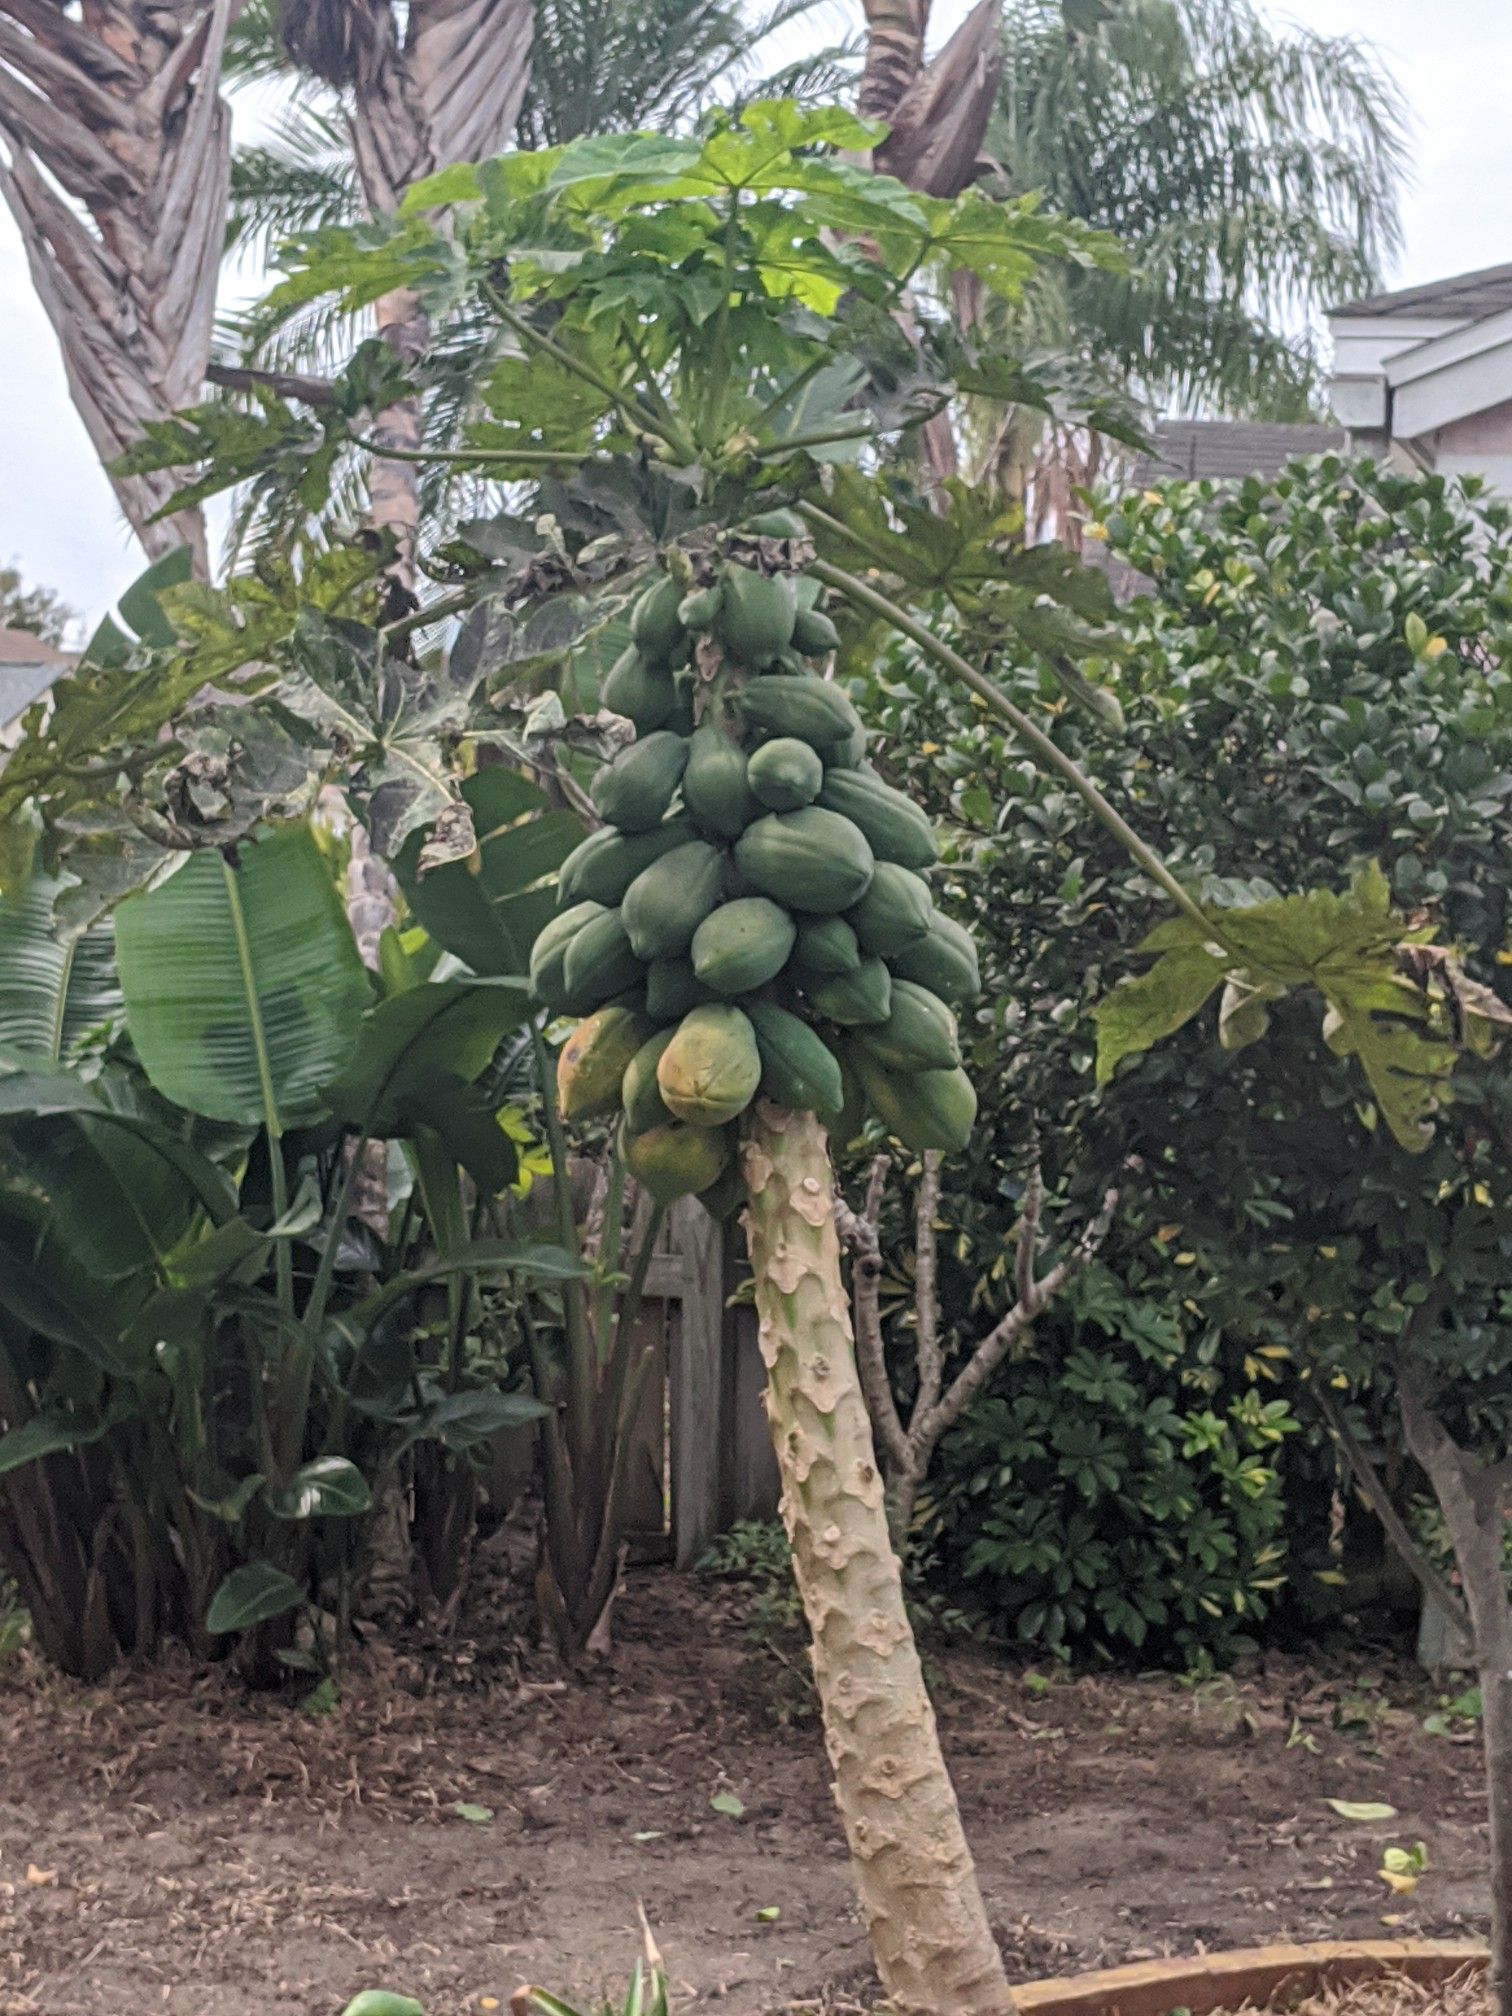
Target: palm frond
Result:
[302, 177]
[1254, 175]
[601, 66]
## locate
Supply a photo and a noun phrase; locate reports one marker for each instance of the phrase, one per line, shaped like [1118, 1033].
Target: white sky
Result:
[58, 519]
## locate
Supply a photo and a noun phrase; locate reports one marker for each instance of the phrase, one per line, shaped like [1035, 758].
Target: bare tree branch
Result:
[1373, 1489]
[287, 384]
[992, 1350]
[1027, 1247]
[859, 1231]
[930, 1359]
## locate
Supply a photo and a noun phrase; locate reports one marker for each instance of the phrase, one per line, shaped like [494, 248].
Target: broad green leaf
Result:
[1362, 1809]
[1143, 1011]
[463, 1420]
[141, 611]
[49, 1434]
[330, 1487]
[56, 1302]
[486, 911]
[445, 1030]
[54, 988]
[467, 1124]
[379, 2002]
[251, 1595]
[728, 1803]
[475, 1815]
[244, 991]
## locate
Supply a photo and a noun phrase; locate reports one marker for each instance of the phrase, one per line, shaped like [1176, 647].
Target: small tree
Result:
[1314, 680]
[670, 344]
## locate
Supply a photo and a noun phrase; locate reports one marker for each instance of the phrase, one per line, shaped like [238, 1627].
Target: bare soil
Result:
[170, 1843]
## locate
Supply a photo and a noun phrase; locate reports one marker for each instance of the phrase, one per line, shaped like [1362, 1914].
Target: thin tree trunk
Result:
[934, 1948]
[1474, 1499]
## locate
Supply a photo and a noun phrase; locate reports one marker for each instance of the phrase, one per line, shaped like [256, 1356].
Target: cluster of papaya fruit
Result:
[753, 917]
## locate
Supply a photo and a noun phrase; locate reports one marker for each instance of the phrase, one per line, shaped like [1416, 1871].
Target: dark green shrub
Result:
[1105, 1493]
[1314, 682]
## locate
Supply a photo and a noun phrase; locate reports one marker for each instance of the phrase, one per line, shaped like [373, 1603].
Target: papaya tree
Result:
[686, 357]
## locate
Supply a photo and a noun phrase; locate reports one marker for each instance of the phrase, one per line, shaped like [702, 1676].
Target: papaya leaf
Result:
[1399, 1007]
[1142, 1012]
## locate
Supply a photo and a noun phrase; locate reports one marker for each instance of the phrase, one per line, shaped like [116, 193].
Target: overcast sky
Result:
[58, 520]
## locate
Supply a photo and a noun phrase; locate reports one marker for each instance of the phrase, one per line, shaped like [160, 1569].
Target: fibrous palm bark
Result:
[116, 145]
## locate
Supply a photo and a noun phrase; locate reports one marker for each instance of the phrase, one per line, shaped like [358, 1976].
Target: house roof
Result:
[25, 647]
[28, 666]
[1468, 297]
[1194, 449]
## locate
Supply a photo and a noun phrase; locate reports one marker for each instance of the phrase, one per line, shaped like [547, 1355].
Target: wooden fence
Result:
[703, 1455]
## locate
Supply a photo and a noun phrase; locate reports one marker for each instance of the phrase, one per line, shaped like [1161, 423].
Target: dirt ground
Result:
[171, 1844]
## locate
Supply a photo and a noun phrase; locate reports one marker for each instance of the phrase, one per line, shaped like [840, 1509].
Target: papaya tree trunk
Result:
[1476, 1501]
[934, 1949]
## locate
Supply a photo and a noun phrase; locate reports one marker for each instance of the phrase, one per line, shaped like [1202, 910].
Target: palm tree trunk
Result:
[120, 111]
[934, 1948]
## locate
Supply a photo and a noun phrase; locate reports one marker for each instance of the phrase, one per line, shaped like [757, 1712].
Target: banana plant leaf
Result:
[54, 989]
[445, 1030]
[244, 991]
[487, 910]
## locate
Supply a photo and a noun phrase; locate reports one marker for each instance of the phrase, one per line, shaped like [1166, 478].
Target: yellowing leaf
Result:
[1402, 1885]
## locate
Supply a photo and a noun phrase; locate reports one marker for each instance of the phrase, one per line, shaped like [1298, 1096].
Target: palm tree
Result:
[1253, 174]
[116, 148]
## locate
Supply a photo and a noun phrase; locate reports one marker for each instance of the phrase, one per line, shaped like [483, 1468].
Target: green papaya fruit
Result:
[709, 1072]
[798, 1068]
[672, 988]
[852, 1115]
[655, 626]
[854, 999]
[807, 590]
[894, 913]
[897, 829]
[602, 867]
[847, 755]
[645, 694]
[667, 902]
[742, 945]
[548, 955]
[756, 614]
[825, 945]
[676, 1161]
[814, 635]
[599, 963]
[640, 1095]
[919, 1034]
[816, 710]
[715, 792]
[925, 1109]
[944, 960]
[699, 608]
[785, 773]
[591, 1064]
[634, 791]
[809, 860]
